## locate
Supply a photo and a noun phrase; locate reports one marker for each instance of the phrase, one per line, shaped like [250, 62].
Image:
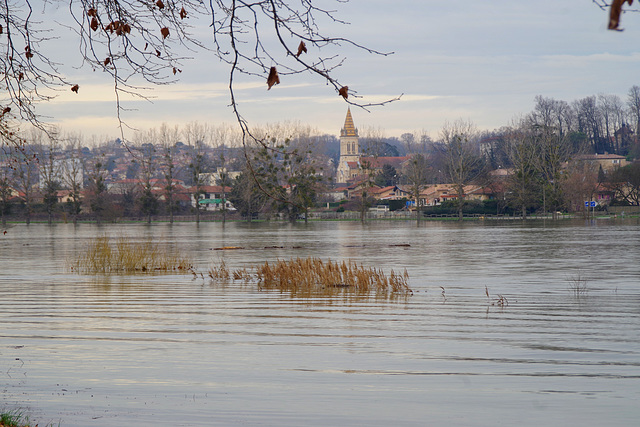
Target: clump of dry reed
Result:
[311, 274]
[128, 256]
[219, 272]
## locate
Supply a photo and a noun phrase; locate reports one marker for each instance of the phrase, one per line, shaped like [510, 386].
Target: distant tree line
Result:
[541, 154]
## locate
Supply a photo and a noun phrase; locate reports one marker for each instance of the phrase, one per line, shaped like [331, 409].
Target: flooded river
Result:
[555, 343]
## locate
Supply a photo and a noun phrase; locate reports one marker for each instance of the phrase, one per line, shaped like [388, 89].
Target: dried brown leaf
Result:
[183, 13]
[615, 12]
[301, 48]
[94, 24]
[75, 88]
[273, 78]
[92, 12]
[6, 110]
[165, 32]
[114, 27]
[344, 92]
[160, 4]
[1, 29]
[107, 61]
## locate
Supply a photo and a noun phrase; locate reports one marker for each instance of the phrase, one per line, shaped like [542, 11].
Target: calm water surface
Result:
[172, 350]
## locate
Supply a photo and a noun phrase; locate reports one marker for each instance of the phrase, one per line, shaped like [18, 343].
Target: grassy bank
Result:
[16, 418]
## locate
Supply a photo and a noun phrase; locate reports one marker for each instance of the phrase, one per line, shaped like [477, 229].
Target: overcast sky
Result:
[484, 61]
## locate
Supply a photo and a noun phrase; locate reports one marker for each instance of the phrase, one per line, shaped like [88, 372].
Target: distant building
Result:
[352, 164]
[608, 162]
[212, 198]
[348, 166]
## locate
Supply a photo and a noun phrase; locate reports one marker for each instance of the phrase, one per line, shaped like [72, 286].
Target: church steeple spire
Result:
[349, 128]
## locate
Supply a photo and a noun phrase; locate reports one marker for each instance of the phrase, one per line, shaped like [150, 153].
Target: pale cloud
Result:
[457, 59]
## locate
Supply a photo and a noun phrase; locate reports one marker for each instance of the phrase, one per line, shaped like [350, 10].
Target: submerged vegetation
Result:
[307, 275]
[313, 275]
[578, 284]
[125, 255]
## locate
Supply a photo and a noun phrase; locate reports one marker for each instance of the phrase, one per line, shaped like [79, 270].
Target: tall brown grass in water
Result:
[311, 274]
[127, 256]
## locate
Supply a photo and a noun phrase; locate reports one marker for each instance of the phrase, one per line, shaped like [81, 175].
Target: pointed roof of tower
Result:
[349, 128]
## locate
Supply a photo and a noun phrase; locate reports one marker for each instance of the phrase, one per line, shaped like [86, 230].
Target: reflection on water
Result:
[178, 350]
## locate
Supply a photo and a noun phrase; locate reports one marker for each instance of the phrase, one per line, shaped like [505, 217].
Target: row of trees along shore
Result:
[542, 155]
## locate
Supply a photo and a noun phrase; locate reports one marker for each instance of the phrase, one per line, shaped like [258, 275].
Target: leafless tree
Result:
[552, 151]
[195, 135]
[25, 179]
[146, 42]
[462, 161]
[580, 184]
[6, 189]
[97, 192]
[72, 172]
[371, 141]
[609, 105]
[49, 174]
[589, 120]
[523, 182]
[168, 163]
[417, 174]
[223, 137]
[553, 113]
[416, 142]
[633, 102]
[147, 158]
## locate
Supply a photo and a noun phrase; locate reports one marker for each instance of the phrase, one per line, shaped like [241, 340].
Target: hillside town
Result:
[544, 165]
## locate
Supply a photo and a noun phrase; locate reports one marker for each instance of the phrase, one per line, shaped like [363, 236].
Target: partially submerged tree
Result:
[168, 163]
[462, 161]
[553, 150]
[25, 179]
[523, 182]
[580, 184]
[72, 174]
[97, 195]
[246, 196]
[47, 147]
[147, 157]
[5, 194]
[195, 135]
[417, 175]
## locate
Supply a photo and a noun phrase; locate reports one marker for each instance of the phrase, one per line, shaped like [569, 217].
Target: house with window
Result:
[211, 198]
[436, 194]
[392, 192]
[608, 162]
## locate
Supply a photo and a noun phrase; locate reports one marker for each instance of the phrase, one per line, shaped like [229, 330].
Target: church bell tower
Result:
[349, 149]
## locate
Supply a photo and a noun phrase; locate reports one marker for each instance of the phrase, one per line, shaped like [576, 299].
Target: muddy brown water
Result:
[154, 350]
